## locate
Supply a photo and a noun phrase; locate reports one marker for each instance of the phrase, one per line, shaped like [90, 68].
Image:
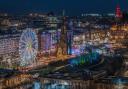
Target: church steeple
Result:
[63, 37]
[62, 44]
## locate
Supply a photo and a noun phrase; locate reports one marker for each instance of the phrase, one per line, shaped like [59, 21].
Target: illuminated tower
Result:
[62, 44]
[63, 37]
[118, 17]
[118, 12]
[70, 37]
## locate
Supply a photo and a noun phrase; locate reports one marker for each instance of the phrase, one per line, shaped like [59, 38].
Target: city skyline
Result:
[63, 44]
[72, 7]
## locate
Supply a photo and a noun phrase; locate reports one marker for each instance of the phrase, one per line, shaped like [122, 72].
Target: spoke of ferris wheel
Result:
[27, 38]
[34, 42]
[23, 46]
[24, 52]
[31, 53]
[22, 38]
[27, 35]
[34, 50]
[28, 52]
[32, 35]
[23, 41]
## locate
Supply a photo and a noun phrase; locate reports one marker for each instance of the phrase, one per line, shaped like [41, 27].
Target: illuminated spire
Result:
[63, 13]
[62, 44]
[118, 12]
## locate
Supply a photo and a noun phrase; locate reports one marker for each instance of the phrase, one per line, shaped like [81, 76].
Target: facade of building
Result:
[9, 49]
[9, 43]
[119, 33]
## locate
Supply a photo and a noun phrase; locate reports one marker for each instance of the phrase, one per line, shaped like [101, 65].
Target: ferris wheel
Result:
[28, 47]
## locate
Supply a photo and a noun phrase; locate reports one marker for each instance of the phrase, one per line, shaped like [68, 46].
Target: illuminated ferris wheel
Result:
[28, 47]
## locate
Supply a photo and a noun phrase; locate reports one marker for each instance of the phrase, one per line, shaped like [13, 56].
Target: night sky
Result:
[72, 7]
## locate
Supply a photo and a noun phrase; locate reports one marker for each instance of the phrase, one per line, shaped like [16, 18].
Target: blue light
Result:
[85, 59]
[56, 85]
[76, 51]
[37, 85]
